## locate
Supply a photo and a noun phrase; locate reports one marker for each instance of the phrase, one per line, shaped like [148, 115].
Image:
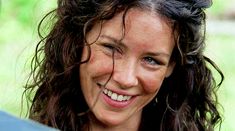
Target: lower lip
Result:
[116, 104]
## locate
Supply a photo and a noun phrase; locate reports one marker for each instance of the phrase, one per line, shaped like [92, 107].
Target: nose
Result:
[125, 74]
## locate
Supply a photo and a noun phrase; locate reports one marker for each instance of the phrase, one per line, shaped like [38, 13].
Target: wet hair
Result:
[187, 99]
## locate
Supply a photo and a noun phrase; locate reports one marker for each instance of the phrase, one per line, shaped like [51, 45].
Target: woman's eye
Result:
[151, 61]
[111, 48]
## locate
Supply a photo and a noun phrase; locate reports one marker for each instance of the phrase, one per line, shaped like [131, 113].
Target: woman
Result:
[125, 65]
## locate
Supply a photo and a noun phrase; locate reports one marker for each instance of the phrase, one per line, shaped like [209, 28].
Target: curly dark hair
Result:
[187, 99]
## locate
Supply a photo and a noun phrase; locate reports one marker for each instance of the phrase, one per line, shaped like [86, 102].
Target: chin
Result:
[110, 119]
[111, 122]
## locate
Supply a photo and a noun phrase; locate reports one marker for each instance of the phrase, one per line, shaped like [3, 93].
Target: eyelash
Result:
[111, 47]
[151, 61]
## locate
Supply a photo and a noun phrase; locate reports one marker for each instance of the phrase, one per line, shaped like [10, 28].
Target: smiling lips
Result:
[115, 99]
[115, 96]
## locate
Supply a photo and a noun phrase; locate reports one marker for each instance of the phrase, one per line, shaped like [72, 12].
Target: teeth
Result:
[110, 93]
[120, 98]
[105, 91]
[115, 96]
[124, 97]
[128, 97]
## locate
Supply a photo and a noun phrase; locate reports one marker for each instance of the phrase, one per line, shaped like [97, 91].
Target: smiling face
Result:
[141, 62]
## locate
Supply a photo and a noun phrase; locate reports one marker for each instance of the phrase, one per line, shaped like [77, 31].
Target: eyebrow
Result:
[124, 46]
[158, 54]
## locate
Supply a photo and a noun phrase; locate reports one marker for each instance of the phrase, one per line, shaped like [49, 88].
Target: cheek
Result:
[153, 82]
[98, 63]
[153, 85]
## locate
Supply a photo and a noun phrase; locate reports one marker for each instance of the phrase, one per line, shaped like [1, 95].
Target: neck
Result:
[131, 124]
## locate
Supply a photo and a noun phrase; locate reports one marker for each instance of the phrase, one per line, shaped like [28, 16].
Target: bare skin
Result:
[142, 61]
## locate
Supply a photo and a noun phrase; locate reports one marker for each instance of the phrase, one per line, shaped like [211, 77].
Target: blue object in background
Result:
[11, 123]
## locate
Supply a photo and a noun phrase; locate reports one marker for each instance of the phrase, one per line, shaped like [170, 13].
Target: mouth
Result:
[115, 96]
[116, 99]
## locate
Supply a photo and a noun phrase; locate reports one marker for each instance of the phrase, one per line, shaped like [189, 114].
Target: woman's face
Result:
[141, 62]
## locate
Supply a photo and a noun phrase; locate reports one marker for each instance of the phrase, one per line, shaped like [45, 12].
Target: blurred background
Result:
[18, 37]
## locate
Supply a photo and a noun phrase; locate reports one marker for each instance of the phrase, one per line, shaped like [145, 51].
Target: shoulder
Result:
[11, 123]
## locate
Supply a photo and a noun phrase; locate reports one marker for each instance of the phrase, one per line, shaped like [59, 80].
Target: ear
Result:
[170, 69]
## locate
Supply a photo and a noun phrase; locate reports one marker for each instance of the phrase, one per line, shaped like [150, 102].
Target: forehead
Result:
[137, 26]
[138, 20]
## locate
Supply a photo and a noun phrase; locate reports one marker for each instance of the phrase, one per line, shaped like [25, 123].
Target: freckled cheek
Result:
[99, 63]
[153, 83]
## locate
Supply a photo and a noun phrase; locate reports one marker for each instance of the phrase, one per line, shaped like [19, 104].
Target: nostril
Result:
[125, 81]
[126, 74]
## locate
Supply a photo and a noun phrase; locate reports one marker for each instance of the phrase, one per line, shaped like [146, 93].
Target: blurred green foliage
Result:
[18, 37]
[26, 12]
[222, 7]
[219, 6]
[221, 48]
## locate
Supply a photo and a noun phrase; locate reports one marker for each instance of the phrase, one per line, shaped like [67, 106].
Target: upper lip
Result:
[120, 92]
